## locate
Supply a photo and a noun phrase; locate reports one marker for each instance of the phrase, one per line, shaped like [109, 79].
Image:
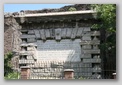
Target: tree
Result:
[107, 14]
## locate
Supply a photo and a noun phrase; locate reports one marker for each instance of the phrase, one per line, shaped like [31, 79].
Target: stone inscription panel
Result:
[65, 50]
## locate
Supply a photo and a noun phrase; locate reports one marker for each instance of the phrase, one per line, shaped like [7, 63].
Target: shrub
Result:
[72, 9]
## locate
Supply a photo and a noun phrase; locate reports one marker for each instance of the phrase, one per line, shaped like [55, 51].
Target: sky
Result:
[18, 7]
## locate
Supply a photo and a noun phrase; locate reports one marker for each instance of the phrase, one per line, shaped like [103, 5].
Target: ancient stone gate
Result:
[54, 42]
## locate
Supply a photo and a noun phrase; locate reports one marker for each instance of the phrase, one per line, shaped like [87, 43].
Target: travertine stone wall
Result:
[11, 35]
[56, 46]
[8, 37]
[12, 40]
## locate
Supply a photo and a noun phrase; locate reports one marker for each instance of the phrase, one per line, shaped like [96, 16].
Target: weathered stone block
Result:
[86, 29]
[42, 34]
[31, 32]
[89, 42]
[90, 33]
[63, 33]
[31, 40]
[30, 48]
[29, 57]
[79, 32]
[85, 55]
[26, 61]
[86, 46]
[91, 60]
[58, 34]
[37, 33]
[69, 32]
[27, 36]
[85, 37]
[74, 32]
[47, 33]
[92, 51]
[95, 47]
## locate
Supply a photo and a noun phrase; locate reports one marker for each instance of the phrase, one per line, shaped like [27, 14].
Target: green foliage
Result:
[13, 75]
[107, 14]
[95, 26]
[72, 9]
[8, 71]
[7, 63]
